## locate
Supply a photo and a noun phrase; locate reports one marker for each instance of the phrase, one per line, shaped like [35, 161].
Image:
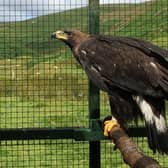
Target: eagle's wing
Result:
[146, 47]
[126, 64]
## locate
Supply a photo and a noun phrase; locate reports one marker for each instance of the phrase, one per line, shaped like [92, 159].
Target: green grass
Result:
[41, 85]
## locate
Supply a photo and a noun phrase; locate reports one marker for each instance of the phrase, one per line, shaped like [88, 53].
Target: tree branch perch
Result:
[132, 155]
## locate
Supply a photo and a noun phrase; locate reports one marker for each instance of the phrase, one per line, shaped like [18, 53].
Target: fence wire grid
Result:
[42, 86]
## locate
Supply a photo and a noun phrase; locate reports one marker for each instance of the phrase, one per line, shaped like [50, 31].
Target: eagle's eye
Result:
[62, 33]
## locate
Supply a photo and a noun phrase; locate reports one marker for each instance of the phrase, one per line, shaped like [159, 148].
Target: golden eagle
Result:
[133, 72]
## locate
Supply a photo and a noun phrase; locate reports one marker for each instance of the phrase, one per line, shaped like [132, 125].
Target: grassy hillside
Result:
[32, 37]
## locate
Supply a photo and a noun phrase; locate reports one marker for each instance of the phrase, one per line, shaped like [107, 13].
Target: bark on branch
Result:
[132, 155]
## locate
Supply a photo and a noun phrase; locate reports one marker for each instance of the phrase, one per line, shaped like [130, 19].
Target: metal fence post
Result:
[94, 102]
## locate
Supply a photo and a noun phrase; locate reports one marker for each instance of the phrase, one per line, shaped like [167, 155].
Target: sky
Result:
[16, 10]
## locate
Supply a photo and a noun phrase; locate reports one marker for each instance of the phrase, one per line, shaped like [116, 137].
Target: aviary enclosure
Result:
[49, 111]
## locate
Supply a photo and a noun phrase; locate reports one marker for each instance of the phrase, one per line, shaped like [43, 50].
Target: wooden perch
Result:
[132, 155]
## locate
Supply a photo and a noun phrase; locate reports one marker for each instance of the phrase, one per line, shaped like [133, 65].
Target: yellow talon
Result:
[108, 126]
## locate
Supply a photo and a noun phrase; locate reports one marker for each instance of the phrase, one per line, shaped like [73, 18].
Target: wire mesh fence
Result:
[42, 86]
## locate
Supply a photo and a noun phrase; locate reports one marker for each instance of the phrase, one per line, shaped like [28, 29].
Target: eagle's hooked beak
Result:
[59, 35]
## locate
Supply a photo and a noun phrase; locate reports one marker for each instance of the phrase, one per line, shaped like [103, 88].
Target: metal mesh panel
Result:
[44, 153]
[42, 86]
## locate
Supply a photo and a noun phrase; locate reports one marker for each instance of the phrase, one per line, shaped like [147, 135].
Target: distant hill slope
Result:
[32, 37]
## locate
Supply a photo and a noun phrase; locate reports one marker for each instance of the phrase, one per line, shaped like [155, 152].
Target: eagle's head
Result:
[71, 37]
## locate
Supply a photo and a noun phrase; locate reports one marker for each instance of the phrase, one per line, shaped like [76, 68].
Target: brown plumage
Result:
[133, 72]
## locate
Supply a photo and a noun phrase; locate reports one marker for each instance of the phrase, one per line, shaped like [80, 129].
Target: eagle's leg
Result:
[109, 125]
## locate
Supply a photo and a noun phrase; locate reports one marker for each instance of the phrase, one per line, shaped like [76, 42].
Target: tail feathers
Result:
[163, 142]
[158, 141]
[152, 137]
[153, 110]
